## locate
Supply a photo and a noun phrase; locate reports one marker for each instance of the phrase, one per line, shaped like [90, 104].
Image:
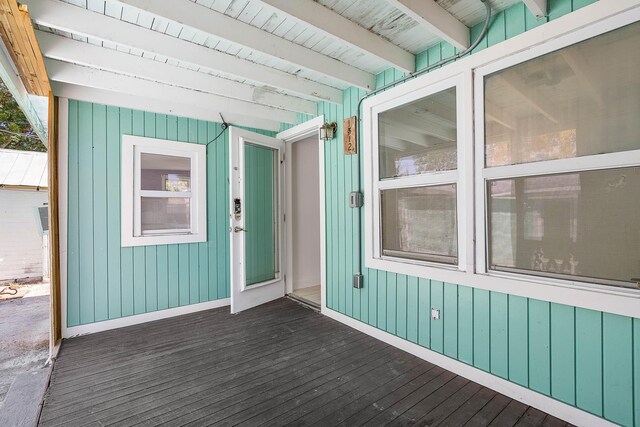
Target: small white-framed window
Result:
[163, 192]
[415, 176]
[558, 162]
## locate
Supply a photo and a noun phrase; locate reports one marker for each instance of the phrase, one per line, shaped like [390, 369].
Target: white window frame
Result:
[132, 149]
[484, 174]
[592, 20]
[461, 177]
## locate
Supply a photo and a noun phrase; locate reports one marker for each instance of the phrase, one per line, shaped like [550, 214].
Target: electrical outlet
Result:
[435, 314]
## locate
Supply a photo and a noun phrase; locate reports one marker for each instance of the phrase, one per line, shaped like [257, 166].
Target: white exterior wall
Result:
[20, 238]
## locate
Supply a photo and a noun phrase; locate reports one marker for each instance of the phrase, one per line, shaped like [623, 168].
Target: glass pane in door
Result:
[261, 219]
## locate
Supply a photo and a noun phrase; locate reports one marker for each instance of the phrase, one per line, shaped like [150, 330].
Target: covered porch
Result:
[277, 364]
[454, 184]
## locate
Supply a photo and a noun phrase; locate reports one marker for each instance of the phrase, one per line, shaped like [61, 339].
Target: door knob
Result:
[237, 229]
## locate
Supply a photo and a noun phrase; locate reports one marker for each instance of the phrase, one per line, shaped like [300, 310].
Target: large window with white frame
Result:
[558, 162]
[415, 169]
[163, 192]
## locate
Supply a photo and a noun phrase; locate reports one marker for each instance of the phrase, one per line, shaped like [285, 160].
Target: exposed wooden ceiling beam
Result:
[404, 138]
[436, 19]
[27, 103]
[235, 31]
[90, 77]
[538, 7]
[339, 28]
[68, 50]
[82, 22]
[168, 106]
[18, 36]
[426, 125]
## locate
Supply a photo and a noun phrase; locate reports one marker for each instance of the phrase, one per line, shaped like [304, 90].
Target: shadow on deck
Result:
[276, 364]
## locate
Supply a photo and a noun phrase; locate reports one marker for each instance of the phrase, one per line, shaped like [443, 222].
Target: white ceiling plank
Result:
[76, 20]
[90, 77]
[339, 28]
[538, 7]
[422, 124]
[499, 115]
[170, 106]
[64, 49]
[537, 102]
[584, 73]
[436, 19]
[235, 31]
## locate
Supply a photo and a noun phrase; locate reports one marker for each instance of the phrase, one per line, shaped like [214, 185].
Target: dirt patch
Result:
[24, 334]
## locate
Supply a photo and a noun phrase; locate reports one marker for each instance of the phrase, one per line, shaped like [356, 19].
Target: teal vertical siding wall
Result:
[584, 358]
[107, 281]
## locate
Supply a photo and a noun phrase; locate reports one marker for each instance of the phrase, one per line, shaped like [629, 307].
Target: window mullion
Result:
[166, 194]
[449, 177]
[576, 164]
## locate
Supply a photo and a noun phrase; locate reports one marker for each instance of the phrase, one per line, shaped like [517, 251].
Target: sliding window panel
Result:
[161, 215]
[580, 226]
[420, 223]
[419, 137]
[578, 101]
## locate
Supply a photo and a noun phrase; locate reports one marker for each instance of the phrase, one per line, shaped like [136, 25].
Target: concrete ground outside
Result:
[24, 335]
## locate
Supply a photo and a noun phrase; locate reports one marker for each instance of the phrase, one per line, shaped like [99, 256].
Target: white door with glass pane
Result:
[256, 223]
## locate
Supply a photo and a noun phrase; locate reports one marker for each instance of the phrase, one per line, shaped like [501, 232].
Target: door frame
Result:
[298, 133]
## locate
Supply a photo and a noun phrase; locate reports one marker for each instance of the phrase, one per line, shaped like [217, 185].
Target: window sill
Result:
[150, 240]
[616, 300]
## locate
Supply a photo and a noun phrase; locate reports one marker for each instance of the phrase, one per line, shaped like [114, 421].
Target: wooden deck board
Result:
[278, 364]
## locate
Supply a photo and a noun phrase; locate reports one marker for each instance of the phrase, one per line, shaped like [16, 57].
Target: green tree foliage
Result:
[15, 131]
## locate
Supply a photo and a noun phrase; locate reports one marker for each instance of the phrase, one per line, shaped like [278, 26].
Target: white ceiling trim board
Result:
[83, 76]
[341, 29]
[68, 50]
[170, 107]
[436, 19]
[235, 31]
[538, 7]
[80, 21]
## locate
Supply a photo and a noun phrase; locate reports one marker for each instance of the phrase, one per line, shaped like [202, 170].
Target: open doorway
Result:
[305, 221]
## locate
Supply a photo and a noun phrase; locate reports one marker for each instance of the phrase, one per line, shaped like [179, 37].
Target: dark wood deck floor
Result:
[273, 365]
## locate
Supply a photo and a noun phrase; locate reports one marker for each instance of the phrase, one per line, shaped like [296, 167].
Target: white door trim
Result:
[289, 136]
[63, 199]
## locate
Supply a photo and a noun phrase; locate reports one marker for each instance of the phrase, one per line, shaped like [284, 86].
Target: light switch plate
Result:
[435, 314]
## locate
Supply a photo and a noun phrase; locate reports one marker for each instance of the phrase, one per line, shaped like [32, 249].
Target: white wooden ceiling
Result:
[258, 61]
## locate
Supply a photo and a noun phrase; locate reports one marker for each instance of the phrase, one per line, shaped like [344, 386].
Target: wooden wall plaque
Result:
[350, 137]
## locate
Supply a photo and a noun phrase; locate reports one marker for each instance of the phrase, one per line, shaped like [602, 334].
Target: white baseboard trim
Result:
[74, 331]
[529, 397]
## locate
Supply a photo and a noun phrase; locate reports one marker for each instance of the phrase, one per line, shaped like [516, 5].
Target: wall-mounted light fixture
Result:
[328, 131]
